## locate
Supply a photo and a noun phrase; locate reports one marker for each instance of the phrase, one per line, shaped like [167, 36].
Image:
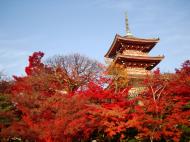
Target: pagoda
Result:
[131, 53]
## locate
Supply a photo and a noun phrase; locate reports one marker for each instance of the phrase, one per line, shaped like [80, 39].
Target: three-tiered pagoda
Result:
[132, 54]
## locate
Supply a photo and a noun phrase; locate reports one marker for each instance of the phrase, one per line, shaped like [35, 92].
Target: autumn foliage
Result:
[46, 109]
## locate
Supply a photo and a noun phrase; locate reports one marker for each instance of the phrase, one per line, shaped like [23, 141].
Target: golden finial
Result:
[127, 25]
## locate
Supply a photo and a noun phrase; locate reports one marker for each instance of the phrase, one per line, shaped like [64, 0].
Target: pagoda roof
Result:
[126, 40]
[146, 62]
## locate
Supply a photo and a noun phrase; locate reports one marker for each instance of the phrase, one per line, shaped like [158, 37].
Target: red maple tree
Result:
[161, 115]
[50, 112]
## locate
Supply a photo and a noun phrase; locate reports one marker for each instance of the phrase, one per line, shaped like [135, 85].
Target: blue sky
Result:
[88, 27]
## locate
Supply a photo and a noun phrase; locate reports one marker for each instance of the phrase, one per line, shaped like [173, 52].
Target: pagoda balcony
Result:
[134, 53]
[137, 71]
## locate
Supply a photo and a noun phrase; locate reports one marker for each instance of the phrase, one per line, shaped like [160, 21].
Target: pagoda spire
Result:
[128, 33]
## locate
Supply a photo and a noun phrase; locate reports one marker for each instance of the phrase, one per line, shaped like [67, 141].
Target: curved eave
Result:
[115, 41]
[142, 40]
[129, 40]
[151, 61]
